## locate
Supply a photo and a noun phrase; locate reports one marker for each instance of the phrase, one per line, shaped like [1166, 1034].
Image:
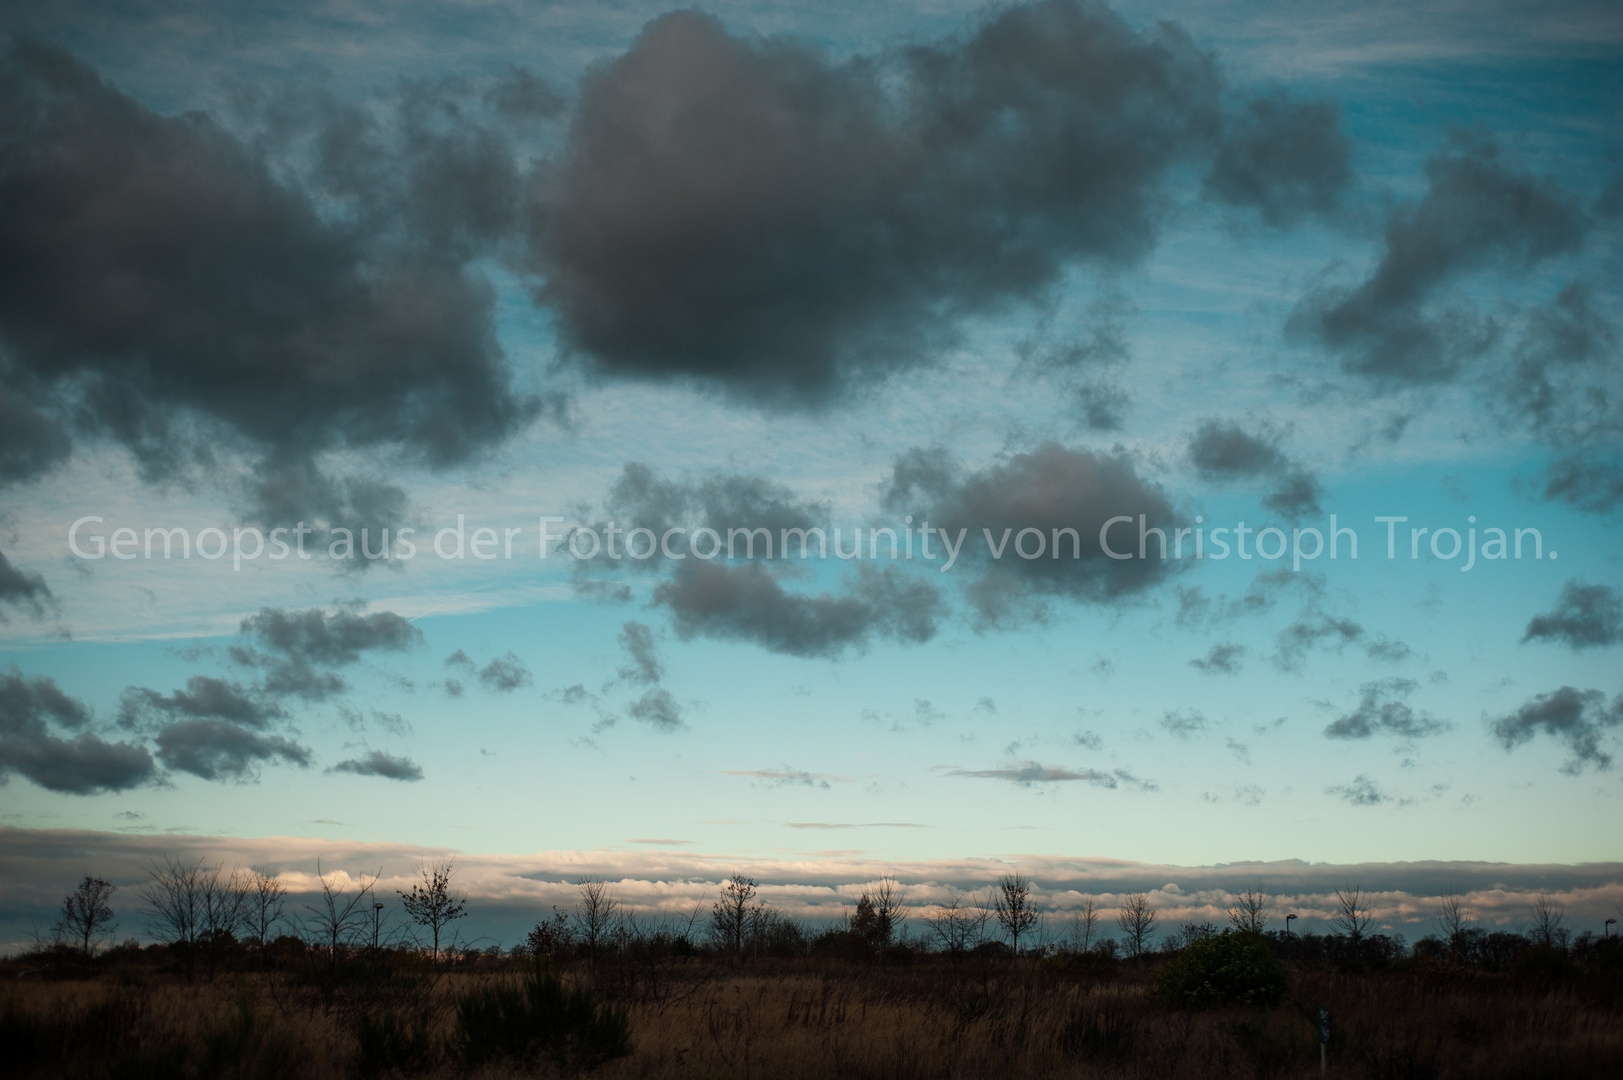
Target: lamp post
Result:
[1607, 929]
[1288, 919]
[377, 921]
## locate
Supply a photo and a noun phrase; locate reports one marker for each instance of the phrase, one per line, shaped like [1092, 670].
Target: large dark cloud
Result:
[1579, 718]
[1586, 616]
[204, 696]
[1478, 212]
[221, 750]
[159, 282]
[749, 603]
[81, 765]
[300, 649]
[753, 213]
[1222, 450]
[22, 589]
[1285, 159]
[1051, 488]
[1383, 709]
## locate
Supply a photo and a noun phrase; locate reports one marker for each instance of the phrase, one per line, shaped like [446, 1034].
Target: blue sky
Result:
[1323, 261]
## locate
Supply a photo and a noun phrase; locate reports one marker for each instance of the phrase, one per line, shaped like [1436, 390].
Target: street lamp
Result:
[1288, 919]
[1607, 929]
[377, 921]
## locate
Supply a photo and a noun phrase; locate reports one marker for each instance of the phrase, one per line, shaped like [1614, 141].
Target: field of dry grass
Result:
[816, 1019]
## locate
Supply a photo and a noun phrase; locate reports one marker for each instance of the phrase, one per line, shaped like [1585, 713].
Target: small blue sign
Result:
[1324, 1023]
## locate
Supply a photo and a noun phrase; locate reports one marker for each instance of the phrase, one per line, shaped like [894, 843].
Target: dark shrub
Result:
[537, 1017]
[389, 1043]
[1234, 967]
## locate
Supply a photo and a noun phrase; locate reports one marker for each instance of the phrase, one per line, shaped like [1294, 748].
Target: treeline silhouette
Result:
[351, 982]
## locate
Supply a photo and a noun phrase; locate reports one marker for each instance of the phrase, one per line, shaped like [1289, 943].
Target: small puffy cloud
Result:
[1183, 723]
[504, 674]
[1029, 773]
[1383, 710]
[1579, 718]
[643, 668]
[1224, 658]
[658, 709]
[1224, 451]
[300, 649]
[204, 696]
[1315, 630]
[1585, 617]
[1361, 791]
[31, 712]
[20, 589]
[377, 763]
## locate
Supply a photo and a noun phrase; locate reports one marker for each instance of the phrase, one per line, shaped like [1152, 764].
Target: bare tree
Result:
[1546, 927]
[1352, 917]
[733, 911]
[880, 912]
[87, 912]
[1250, 912]
[596, 914]
[1013, 906]
[1136, 918]
[431, 903]
[266, 897]
[1451, 918]
[958, 925]
[1084, 924]
[340, 916]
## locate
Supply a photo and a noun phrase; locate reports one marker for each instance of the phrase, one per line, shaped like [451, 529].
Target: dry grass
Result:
[816, 1019]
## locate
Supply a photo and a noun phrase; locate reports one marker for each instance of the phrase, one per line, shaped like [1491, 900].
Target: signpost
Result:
[1324, 1038]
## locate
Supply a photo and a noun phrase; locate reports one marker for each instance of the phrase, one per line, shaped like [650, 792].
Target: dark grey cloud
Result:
[1224, 658]
[658, 709]
[1591, 484]
[377, 763]
[32, 441]
[1051, 488]
[1559, 380]
[644, 668]
[1579, 718]
[22, 589]
[522, 94]
[1478, 212]
[164, 287]
[748, 602]
[1382, 709]
[1224, 451]
[1283, 158]
[1362, 791]
[299, 649]
[84, 764]
[220, 750]
[1029, 773]
[756, 214]
[1586, 616]
[504, 674]
[204, 696]
[640, 498]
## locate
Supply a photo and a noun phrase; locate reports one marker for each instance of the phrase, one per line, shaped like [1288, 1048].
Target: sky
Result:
[450, 346]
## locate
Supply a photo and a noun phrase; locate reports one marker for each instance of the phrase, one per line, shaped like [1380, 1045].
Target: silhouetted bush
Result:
[534, 1018]
[1234, 967]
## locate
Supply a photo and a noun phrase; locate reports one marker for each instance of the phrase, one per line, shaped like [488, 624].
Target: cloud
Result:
[1284, 159]
[219, 750]
[1362, 791]
[1183, 723]
[204, 696]
[1087, 363]
[1478, 212]
[504, 674]
[1028, 773]
[377, 763]
[1381, 709]
[1579, 718]
[303, 646]
[1223, 451]
[82, 765]
[1222, 659]
[1049, 489]
[748, 602]
[174, 295]
[1586, 616]
[788, 777]
[1308, 633]
[644, 668]
[755, 214]
[22, 589]
[658, 709]
[1562, 345]
[1595, 487]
